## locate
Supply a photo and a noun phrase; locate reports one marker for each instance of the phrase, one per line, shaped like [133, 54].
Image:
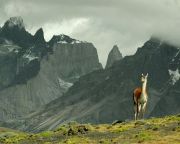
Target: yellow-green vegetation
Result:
[164, 130]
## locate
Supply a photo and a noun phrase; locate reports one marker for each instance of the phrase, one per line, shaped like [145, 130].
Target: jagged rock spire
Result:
[39, 36]
[113, 56]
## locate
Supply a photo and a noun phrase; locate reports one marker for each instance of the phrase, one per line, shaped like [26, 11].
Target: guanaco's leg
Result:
[137, 108]
[139, 111]
[143, 109]
[135, 112]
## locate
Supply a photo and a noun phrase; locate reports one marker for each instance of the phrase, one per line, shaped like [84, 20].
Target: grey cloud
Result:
[127, 23]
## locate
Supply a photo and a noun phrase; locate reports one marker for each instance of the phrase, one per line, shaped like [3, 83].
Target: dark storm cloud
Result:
[127, 23]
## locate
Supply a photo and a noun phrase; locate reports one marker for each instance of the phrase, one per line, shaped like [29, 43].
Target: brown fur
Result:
[137, 94]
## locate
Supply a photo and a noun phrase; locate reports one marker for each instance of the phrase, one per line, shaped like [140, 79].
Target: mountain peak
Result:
[39, 36]
[113, 56]
[64, 39]
[15, 21]
[115, 49]
[40, 31]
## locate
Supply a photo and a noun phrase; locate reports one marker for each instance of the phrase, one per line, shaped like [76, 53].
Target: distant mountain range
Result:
[34, 72]
[97, 95]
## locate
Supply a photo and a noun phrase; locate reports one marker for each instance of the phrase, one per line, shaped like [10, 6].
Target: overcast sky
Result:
[127, 23]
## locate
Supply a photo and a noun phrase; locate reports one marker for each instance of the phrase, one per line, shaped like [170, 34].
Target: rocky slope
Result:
[164, 130]
[113, 56]
[105, 95]
[34, 72]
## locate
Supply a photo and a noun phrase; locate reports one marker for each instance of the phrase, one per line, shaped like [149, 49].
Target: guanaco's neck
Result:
[144, 87]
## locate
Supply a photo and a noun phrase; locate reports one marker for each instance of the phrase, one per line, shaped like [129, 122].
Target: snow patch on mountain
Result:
[64, 84]
[175, 76]
[76, 41]
[65, 39]
[73, 42]
[176, 55]
[30, 57]
[62, 42]
[13, 49]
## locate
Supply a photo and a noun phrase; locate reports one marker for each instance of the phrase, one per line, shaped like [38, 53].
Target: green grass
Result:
[164, 130]
[143, 136]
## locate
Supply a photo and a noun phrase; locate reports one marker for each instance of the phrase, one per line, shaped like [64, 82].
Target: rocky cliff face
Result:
[34, 72]
[113, 56]
[76, 58]
[105, 95]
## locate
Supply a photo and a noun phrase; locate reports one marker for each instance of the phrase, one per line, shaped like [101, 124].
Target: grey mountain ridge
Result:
[103, 96]
[33, 72]
[46, 84]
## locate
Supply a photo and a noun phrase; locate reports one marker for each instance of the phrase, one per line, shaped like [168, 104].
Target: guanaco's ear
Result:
[142, 74]
[147, 75]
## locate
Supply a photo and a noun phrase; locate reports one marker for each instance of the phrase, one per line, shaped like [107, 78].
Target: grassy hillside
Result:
[151, 131]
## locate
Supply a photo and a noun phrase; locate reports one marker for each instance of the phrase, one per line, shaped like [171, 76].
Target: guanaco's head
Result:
[144, 78]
